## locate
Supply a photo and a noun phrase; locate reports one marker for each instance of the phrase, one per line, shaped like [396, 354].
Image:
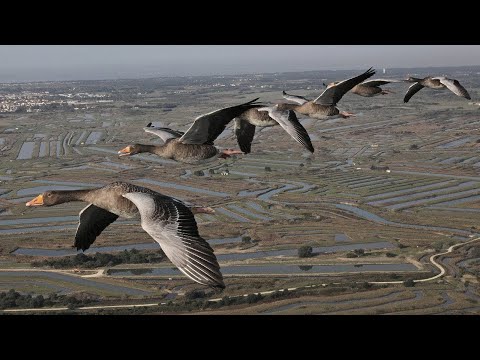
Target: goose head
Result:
[48, 198]
[130, 150]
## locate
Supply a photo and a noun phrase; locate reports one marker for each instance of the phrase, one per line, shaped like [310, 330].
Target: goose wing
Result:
[206, 128]
[93, 220]
[295, 98]
[244, 131]
[164, 133]
[171, 224]
[289, 122]
[332, 95]
[455, 87]
[379, 82]
[412, 90]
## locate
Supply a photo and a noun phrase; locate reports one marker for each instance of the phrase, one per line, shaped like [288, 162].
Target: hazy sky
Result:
[75, 62]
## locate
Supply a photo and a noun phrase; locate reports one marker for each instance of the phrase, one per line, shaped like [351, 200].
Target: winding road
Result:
[435, 263]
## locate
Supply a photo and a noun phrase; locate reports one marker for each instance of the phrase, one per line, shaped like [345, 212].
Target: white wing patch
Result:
[144, 202]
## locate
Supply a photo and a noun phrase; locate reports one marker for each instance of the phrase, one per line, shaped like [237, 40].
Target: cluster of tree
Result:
[13, 299]
[81, 260]
[305, 251]
[356, 253]
[246, 239]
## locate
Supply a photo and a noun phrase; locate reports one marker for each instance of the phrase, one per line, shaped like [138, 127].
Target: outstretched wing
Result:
[332, 95]
[379, 82]
[173, 226]
[295, 98]
[244, 131]
[455, 87]
[93, 220]
[208, 127]
[289, 122]
[164, 133]
[412, 90]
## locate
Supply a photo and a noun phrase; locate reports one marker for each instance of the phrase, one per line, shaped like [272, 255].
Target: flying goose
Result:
[372, 87]
[439, 82]
[269, 116]
[167, 220]
[195, 146]
[325, 105]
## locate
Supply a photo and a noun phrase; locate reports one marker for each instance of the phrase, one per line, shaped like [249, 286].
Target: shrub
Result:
[409, 283]
[246, 239]
[195, 294]
[253, 298]
[389, 254]
[305, 251]
[359, 252]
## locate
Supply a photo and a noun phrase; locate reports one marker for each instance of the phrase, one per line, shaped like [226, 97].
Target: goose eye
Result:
[49, 195]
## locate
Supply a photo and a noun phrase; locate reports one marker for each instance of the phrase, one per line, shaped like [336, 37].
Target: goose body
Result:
[195, 146]
[246, 123]
[371, 88]
[175, 150]
[167, 220]
[437, 83]
[324, 106]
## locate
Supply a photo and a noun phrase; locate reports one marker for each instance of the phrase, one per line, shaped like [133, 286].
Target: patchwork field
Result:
[383, 192]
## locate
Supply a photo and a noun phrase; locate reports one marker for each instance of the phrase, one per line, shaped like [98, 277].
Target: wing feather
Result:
[93, 220]
[455, 87]
[295, 98]
[332, 95]
[289, 122]
[164, 133]
[412, 90]
[206, 128]
[244, 131]
[171, 224]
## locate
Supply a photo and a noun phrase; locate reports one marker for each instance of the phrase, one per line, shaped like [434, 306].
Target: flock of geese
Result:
[170, 221]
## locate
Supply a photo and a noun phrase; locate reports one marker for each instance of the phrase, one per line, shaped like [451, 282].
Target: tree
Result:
[253, 298]
[268, 168]
[194, 294]
[305, 251]
[246, 239]
[38, 301]
[305, 267]
[409, 283]
[359, 252]
[414, 147]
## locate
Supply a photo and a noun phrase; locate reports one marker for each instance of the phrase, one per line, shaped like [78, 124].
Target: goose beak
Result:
[125, 151]
[36, 202]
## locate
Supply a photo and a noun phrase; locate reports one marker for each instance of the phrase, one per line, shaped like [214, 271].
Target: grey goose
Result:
[195, 146]
[167, 220]
[438, 83]
[324, 106]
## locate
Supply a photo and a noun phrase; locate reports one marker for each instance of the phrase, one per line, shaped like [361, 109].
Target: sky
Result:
[93, 62]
